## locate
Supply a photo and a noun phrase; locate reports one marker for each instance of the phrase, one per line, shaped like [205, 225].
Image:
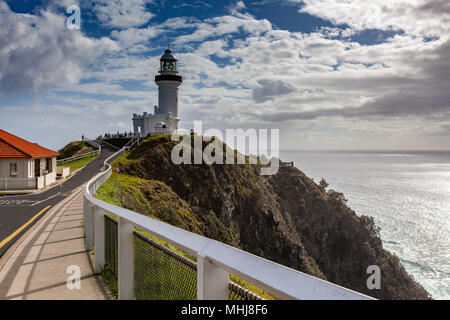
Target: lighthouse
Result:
[165, 117]
[168, 82]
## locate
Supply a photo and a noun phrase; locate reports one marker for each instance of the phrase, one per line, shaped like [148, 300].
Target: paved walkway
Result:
[37, 269]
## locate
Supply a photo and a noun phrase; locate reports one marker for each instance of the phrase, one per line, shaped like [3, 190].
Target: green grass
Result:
[108, 192]
[77, 164]
[123, 159]
[111, 282]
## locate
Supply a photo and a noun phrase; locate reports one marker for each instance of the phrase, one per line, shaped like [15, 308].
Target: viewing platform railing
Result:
[142, 268]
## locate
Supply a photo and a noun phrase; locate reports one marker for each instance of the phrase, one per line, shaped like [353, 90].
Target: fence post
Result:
[126, 260]
[212, 282]
[99, 240]
[88, 224]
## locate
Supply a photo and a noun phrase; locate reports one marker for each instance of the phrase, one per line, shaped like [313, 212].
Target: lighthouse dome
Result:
[168, 63]
[168, 56]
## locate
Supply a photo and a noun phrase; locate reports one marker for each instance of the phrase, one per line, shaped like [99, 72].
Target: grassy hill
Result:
[75, 148]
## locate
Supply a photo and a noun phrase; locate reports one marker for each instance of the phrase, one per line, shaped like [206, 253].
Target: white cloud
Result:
[268, 89]
[37, 51]
[240, 5]
[417, 17]
[132, 36]
[320, 83]
[123, 13]
[220, 26]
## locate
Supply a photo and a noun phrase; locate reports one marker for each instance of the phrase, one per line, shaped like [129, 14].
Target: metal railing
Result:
[110, 145]
[85, 155]
[135, 139]
[117, 135]
[160, 273]
[93, 144]
[79, 157]
[215, 260]
[133, 142]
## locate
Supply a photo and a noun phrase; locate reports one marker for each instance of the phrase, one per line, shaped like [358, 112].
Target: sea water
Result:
[407, 193]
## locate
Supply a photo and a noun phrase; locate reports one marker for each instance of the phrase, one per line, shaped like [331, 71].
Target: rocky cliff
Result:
[286, 218]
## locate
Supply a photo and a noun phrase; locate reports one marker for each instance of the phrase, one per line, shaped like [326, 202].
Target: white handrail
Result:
[110, 145]
[132, 142]
[93, 143]
[215, 260]
[79, 157]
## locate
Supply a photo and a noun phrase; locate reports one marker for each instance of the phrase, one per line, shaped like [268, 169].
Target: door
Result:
[37, 168]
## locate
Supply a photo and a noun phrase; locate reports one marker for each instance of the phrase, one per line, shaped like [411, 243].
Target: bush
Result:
[323, 184]
[337, 196]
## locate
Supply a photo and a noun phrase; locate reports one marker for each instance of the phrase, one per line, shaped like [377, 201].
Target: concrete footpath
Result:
[36, 268]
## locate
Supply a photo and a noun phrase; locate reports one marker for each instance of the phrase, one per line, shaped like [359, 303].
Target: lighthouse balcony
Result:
[168, 77]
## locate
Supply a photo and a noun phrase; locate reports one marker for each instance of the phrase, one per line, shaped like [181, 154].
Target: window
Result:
[13, 169]
[48, 165]
[168, 65]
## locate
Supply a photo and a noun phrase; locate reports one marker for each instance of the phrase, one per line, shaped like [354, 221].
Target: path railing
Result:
[79, 157]
[110, 145]
[133, 142]
[215, 261]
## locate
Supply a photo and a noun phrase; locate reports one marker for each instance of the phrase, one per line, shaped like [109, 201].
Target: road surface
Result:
[17, 211]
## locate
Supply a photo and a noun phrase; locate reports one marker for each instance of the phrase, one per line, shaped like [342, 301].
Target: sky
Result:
[329, 74]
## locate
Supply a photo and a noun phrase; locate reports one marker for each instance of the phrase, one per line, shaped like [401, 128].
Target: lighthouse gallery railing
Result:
[215, 260]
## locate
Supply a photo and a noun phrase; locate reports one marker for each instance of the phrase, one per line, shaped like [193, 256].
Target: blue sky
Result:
[329, 74]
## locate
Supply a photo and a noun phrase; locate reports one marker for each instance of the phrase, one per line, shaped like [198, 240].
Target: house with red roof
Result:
[25, 165]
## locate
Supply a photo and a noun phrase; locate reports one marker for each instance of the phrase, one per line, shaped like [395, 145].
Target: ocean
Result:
[407, 193]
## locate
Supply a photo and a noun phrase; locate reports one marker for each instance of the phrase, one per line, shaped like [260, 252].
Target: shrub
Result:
[337, 196]
[323, 184]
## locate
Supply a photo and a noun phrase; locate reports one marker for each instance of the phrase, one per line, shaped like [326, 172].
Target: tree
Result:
[323, 184]
[337, 196]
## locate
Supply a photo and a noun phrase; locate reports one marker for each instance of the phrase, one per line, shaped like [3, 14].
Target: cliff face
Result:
[286, 218]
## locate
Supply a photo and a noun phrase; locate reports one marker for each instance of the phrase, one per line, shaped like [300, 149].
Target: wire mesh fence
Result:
[111, 246]
[159, 272]
[236, 292]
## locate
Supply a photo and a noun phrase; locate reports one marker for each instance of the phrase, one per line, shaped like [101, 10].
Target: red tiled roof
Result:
[6, 151]
[15, 147]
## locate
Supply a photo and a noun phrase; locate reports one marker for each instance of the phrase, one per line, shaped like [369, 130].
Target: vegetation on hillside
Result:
[75, 148]
[286, 218]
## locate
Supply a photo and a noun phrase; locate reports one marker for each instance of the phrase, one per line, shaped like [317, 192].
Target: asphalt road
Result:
[15, 211]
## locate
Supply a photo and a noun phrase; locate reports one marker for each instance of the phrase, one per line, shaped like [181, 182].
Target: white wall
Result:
[40, 182]
[25, 174]
[50, 178]
[42, 165]
[23, 181]
[63, 171]
[168, 97]
[22, 168]
[150, 124]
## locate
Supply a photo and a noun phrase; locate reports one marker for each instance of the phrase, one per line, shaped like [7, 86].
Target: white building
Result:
[25, 165]
[165, 117]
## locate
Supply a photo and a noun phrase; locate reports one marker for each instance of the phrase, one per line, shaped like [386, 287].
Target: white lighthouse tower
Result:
[165, 118]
